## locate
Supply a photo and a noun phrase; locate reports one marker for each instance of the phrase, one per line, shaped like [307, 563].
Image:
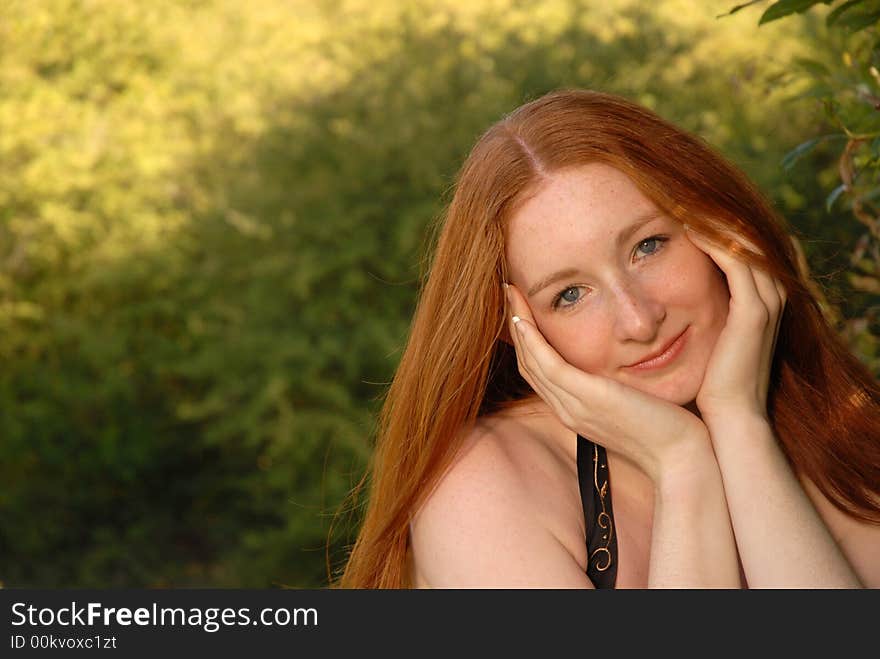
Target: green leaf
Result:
[837, 11]
[812, 66]
[786, 7]
[742, 6]
[859, 21]
[835, 193]
[804, 148]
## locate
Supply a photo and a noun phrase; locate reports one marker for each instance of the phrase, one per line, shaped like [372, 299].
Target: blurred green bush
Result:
[841, 77]
[212, 222]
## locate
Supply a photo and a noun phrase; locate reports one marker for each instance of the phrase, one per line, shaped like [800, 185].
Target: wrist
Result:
[685, 467]
[742, 437]
[741, 416]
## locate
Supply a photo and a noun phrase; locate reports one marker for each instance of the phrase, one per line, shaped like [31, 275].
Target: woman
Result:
[586, 237]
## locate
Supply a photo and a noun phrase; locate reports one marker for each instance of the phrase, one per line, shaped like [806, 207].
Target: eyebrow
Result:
[624, 234]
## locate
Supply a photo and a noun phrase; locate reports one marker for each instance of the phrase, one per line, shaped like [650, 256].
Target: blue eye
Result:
[567, 297]
[653, 239]
[657, 241]
[570, 295]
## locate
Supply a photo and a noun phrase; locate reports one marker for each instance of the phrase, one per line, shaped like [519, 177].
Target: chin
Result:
[680, 389]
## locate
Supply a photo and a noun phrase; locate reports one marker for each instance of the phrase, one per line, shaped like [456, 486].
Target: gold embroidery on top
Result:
[603, 519]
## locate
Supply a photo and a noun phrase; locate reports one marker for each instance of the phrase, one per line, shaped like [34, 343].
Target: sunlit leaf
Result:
[786, 7]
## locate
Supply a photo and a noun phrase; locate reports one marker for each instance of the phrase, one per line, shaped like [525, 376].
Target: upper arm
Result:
[859, 541]
[480, 529]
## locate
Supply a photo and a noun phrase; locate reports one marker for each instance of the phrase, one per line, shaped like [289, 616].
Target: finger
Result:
[565, 384]
[561, 379]
[748, 243]
[518, 310]
[518, 305]
[766, 286]
[525, 337]
[529, 366]
[522, 358]
[773, 294]
[559, 400]
[764, 282]
[544, 357]
[769, 294]
[543, 384]
[559, 383]
[740, 281]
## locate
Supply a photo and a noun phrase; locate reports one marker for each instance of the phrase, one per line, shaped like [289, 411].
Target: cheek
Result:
[697, 282]
[583, 340]
[711, 287]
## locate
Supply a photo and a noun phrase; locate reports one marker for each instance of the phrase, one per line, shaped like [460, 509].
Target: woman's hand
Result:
[737, 375]
[653, 433]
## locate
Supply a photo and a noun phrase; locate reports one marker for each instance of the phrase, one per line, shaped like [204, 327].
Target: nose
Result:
[638, 314]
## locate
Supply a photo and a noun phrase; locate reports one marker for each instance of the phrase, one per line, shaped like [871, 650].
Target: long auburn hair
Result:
[824, 403]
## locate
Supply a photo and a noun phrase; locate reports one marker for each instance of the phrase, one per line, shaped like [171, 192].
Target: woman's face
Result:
[611, 281]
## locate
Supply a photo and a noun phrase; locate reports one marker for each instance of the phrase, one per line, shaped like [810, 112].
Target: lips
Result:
[665, 355]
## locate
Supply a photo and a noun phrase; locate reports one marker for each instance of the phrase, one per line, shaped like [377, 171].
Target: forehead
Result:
[572, 220]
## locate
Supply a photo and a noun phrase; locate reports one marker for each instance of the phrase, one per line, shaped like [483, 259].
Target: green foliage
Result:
[805, 148]
[853, 15]
[783, 8]
[212, 219]
[845, 88]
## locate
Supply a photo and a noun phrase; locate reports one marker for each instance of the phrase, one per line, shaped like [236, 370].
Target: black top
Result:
[595, 486]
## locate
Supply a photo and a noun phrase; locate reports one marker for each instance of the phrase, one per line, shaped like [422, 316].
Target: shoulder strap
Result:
[592, 464]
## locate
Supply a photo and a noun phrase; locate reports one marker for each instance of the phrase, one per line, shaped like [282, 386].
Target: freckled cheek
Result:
[692, 282]
[709, 296]
[581, 341]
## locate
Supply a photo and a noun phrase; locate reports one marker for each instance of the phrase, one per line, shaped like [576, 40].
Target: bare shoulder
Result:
[857, 539]
[496, 516]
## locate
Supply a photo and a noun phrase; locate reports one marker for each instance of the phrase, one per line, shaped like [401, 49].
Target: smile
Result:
[666, 357]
